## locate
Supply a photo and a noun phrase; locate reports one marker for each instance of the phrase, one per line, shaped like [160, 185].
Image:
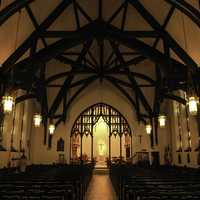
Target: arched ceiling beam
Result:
[164, 34]
[54, 49]
[61, 75]
[175, 98]
[35, 23]
[133, 61]
[115, 83]
[165, 23]
[80, 82]
[82, 71]
[76, 64]
[182, 5]
[25, 97]
[154, 55]
[66, 86]
[12, 8]
[60, 95]
[12, 59]
[64, 34]
[111, 33]
[187, 9]
[116, 12]
[57, 48]
[86, 83]
[126, 84]
[136, 74]
[77, 83]
[98, 30]
[78, 92]
[135, 89]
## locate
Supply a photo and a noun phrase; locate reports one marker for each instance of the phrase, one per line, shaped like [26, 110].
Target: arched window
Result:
[86, 121]
[60, 145]
[103, 133]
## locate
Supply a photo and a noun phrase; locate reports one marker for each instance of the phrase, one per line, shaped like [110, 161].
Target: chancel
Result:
[99, 99]
[100, 134]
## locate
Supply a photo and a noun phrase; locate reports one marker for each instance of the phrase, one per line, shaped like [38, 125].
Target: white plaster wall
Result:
[98, 93]
[94, 94]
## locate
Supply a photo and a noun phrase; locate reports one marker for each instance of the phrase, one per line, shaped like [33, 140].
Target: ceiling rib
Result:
[94, 68]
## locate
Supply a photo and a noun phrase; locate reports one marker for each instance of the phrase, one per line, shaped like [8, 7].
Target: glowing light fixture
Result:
[8, 102]
[37, 120]
[52, 129]
[193, 105]
[148, 129]
[162, 120]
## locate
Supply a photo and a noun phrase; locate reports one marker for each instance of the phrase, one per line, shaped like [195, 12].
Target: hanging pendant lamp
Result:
[51, 128]
[148, 129]
[162, 120]
[8, 102]
[193, 105]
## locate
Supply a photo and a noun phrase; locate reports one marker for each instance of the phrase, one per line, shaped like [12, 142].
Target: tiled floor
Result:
[100, 188]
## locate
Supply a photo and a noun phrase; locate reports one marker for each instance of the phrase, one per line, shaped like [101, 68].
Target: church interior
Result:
[99, 99]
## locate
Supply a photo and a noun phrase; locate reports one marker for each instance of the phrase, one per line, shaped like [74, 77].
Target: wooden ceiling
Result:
[118, 50]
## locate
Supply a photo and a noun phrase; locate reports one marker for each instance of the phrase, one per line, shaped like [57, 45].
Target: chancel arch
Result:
[100, 133]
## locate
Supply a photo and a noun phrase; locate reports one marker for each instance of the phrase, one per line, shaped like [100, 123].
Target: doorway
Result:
[155, 159]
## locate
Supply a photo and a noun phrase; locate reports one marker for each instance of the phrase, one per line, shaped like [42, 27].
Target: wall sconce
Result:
[37, 120]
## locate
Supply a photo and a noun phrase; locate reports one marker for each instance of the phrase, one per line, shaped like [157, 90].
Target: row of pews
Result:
[163, 183]
[56, 182]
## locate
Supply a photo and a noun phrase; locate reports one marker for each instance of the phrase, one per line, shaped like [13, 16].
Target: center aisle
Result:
[100, 187]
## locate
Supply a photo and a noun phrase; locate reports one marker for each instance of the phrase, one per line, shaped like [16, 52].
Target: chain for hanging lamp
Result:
[191, 97]
[7, 99]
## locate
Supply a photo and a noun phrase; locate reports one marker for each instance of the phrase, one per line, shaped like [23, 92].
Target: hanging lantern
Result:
[162, 120]
[193, 107]
[37, 120]
[148, 129]
[8, 102]
[51, 129]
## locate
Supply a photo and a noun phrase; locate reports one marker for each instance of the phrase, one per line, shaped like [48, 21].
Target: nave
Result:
[118, 182]
[47, 182]
[162, 183]
[100, 187]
